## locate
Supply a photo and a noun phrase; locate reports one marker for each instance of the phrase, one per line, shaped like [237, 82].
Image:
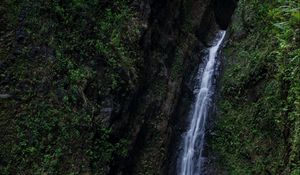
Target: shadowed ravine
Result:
[190, 160]
[140, 87]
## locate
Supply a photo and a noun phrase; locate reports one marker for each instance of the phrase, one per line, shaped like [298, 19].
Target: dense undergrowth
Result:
[65, 64]
[59, 61]
[258, 131]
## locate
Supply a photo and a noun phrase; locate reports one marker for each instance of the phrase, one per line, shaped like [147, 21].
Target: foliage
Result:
[258, 128]
[65, 60]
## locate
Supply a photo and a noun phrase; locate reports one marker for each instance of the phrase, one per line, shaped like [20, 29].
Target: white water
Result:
[190, 160]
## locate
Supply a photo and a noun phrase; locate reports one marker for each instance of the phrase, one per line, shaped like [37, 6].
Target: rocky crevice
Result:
[67, 69]
[176, 32]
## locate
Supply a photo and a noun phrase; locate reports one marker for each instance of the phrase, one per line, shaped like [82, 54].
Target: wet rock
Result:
[5, 96]
[35, 51]
[224, 10]
[21, 35]
[106, 112]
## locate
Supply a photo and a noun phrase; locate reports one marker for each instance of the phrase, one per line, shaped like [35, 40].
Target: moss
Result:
[187, 41]
[65, 59]
[154, 150]
[257, 129]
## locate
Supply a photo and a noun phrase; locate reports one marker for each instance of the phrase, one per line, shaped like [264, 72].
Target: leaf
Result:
[281, 25]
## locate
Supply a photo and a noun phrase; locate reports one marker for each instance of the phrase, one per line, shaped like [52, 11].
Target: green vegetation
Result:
[258, 131]
[67, 66]
[58, 63]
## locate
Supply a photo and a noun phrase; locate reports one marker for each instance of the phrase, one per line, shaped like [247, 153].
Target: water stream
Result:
[190, 160]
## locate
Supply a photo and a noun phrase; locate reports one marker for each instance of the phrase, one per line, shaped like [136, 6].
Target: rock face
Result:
[223, 11]
[257, 125]
[78, 78]
[176, 32]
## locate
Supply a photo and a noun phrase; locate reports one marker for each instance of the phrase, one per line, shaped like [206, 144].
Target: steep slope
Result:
[258, 129]
[91, 87]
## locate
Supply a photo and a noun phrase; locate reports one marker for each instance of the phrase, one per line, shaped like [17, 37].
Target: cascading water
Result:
[190, 160]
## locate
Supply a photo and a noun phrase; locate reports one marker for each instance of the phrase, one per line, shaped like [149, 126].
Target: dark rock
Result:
[43, 88]
[106, 112]
[60, 93]
[224, 10]
[21, 35]
[48, 52]
[35, 51]
[5, 96]
[17, 51]
[164, 113]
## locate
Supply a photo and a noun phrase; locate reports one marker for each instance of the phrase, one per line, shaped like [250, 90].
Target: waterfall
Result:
[190, 160]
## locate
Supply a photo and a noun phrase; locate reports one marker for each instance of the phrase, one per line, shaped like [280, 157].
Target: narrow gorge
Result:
[191, 160]
[149, 87]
